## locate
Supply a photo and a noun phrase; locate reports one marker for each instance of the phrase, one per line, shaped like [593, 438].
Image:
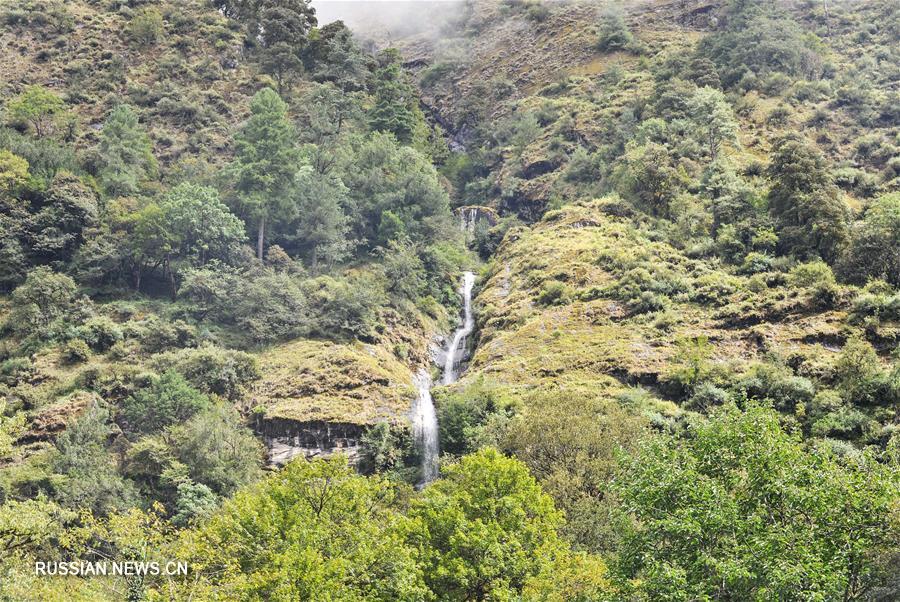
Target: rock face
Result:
[288, 439]
[471, 215]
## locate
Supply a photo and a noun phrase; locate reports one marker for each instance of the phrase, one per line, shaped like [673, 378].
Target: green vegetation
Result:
[232, 234]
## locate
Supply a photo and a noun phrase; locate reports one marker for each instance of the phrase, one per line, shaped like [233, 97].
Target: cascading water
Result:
[457, 348]
[425, 424]
[425, 428]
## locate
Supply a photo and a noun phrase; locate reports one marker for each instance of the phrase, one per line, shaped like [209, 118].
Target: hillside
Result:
[239, 330]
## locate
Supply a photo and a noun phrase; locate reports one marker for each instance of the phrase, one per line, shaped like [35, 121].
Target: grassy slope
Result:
[190, 87]
[599, 346]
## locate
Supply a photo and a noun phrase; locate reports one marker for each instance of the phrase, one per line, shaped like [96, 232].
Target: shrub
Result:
[168, 400]
[553, 293]
[99, 333]
[75, 352]
[211, 369]
[146, 27]
[613, 33]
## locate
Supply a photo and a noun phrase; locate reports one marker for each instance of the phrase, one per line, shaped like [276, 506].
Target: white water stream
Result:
[425, 424]
[457, 348]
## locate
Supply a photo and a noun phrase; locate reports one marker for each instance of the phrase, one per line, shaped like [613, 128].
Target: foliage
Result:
[166, 401]
[874, 251]
[743, 509]
[126, 155]
[146, 27]
[217, 449]
[39, 108]
[810, 215]
[485, 529]
[300, 536]
[265, 162]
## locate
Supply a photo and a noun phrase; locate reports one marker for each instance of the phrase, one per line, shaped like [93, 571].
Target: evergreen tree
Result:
[126, 155]
[810, 216]
[396, 109]
[323, 229]
[265, 163]
[283, 27]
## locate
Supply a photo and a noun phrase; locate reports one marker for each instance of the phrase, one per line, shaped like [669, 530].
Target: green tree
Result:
[282, 28]
[874, 250]
[266, 160]
[70, 213]
[38, 107]
[742, 510]
[168, 400]
[396, 109]
[89, 476]
[126, 158]
[315, 531]
[43, 304]
[380, 176]
[218, 449]
[333, 56]
[810, 215]
[485, 529]
[713, 120]
[13, 171]
[323, 229]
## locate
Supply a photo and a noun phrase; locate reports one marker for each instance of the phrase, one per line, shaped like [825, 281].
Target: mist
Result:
[388, 18]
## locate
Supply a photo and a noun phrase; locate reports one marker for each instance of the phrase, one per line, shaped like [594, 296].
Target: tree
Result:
[613, 33]
[265, 163]
[646, 174]
[315, 531]
[713, 119]
[189, 227]
[485, 529]
[168, 400]
[13, 171]
[570, 443]
[42, 303]
[90, 479]
[126, 158]
[282, 28]
[396, 109]
[71, 211]
[383, 176]
[323, 230]
[874, 250]
[38, 107]
[742, 510]
[218, 449]
[333, 56]
[810, 215]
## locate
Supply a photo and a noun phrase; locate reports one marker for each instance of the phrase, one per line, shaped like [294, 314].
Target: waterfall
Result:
[424, 419]
[425, 428]
[457, 349]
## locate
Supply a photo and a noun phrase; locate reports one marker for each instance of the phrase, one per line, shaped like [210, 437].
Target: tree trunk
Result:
[260, 239]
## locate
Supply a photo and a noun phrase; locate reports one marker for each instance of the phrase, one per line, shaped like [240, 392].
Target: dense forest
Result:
[232, 246]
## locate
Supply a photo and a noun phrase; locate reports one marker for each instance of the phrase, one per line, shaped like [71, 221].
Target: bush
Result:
[146, 27]
[211, 369]
[553, 293]
[99, 333]
[613, 33]
[168, 400]
[75, 352]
